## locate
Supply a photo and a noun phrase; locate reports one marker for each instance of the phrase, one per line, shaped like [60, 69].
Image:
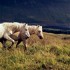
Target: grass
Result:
[51, 53]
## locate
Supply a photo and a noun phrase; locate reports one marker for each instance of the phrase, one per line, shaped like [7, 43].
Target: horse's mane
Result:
[14, 26]
[32, 29]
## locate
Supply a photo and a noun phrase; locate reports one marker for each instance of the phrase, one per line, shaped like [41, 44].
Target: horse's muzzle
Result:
[26, 37]
[40, 37]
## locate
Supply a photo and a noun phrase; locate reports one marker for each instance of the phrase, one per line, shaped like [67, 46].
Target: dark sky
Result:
[28, 2]
[48, 11]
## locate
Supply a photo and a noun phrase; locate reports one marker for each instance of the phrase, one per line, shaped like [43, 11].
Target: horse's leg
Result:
[25, 44]
[3, 41]
[19, 41]
[11, 45]
[6, 36]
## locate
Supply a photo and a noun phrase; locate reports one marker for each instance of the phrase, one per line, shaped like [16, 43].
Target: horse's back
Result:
[2, 30]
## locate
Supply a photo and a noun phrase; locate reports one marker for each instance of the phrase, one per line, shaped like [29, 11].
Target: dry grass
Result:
[51, 53]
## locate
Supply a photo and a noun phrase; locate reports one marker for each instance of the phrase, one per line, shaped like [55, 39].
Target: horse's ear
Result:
[25, 24]
[38, 25]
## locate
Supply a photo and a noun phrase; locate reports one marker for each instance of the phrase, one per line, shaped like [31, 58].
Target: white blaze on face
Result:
[40, 33]
[26, 31]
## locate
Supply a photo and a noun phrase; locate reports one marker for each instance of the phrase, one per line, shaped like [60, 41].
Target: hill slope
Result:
[53, 52]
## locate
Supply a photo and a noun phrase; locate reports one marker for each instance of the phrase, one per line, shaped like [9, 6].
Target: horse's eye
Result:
[39, 31]
[26, 29]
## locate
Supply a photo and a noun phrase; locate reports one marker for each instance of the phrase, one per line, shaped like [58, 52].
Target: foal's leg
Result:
[19, 41]
[25, 44]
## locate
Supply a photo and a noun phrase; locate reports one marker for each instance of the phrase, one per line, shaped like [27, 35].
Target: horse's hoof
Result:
[25, 49]
[9, 48]
[16, 46]
[4, 47]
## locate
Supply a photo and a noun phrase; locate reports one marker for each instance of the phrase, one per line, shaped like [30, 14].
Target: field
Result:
[50, 53]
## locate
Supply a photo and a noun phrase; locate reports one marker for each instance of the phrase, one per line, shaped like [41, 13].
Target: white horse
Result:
[14, 27]
[32, 30]
[4, 33]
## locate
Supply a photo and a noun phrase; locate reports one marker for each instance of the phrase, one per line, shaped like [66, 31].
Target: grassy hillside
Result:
[51, 53]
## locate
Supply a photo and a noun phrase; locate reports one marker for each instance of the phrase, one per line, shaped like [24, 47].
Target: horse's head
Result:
[39, 31]
[25, 31]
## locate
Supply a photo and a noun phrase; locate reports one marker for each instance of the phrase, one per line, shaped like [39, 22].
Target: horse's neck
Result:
[13, 27]
[32, 29]
[18, 27]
